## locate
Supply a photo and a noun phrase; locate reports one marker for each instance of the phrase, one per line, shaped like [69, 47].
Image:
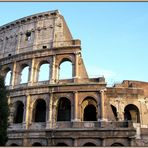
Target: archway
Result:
[65, 69]
[19, 111]
[64, 110]
[131, 112]
[61, 144]
[14, 144]
[24, 74]
[8, 78]
[40, 111]
[89, 144]
[117, 144]
[90, 113]
[89, 109]
[37, 144]
[44, 72]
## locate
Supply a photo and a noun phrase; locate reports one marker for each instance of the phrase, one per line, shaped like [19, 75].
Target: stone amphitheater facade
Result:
[80, 111]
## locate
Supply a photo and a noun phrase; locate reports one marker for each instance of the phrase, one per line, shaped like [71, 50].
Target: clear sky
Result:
[114, 35]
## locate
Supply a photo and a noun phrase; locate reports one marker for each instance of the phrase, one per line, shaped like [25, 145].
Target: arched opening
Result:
[8, 77]
[18, 114]
[117, 144]
[40, 111]
[89, 109]
[61, 144]
[37, 144]
[13, 144]
[131, 112]
[114, 110]
[25, 74]
[89, 144]
[44, 72]
[65, 69]
[64, 110]
[90, 113]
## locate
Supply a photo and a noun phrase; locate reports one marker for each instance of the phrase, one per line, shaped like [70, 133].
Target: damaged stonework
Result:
[79, 111]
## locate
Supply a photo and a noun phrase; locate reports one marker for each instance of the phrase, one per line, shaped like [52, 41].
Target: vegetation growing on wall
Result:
[4, 112]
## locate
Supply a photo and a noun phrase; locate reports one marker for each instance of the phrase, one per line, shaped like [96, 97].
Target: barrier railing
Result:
[75, 125]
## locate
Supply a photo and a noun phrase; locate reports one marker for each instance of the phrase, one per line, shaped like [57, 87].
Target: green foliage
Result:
[4, 112]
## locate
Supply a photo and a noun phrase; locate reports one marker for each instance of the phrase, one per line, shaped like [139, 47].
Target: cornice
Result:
[23, 20]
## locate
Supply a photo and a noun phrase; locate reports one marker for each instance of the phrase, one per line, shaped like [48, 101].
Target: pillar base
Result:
[103, 119]
[75, 120]
[48, 125]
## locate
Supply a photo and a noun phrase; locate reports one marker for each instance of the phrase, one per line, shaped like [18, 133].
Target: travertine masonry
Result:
[79, 111]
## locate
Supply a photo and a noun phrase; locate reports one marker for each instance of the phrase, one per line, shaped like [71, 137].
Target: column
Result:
[14, 75]
[29, 75]
[76, 106]
[48, 110]
[120, 109]
[26, 119]
[50, 119]
[18, 42]
[99, 107]
[75, 142]
[32, 76]
[35, 37]
[103, 111]
[75, 67]
[52, 70]
[28, 113]
[57, 69]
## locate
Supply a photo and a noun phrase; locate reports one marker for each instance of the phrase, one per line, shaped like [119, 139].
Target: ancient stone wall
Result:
[79, 111]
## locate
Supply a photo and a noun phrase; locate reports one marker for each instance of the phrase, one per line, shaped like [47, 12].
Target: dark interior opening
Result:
[37, 144]
[64, 110]
[61, 144]
[89, 144]
[40, 111]
[114, 112]
[13, 144]
[18, 118]
[44, 47]
[90, 113]
[131, 112]
[28, 36]
[117, 144]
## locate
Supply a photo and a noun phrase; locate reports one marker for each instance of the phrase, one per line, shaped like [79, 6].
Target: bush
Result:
[4, 112]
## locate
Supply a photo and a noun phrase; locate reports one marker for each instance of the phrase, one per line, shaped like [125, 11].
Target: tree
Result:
[4, 112]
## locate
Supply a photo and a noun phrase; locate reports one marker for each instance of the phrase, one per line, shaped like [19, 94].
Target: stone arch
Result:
[89, 144]
[114, 110]
[65, 69]
[37, 144]
[66, 58]
[117, 144]
[131, 112]
[14, 144]
[89, 109]
[24, 73]
[19, 112]
[8, 76]
[44, 70]
[64, 109]
[39, 111]
[61, 144]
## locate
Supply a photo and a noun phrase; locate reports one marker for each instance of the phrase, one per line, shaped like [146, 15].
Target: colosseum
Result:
[79, 111]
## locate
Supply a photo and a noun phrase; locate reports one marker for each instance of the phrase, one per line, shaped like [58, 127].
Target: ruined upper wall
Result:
[35, 32]
[134, 84]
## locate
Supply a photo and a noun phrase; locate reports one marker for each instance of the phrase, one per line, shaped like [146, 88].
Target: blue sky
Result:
[114, 35]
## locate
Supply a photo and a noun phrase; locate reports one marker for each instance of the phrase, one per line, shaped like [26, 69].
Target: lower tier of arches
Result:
[72, 137]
